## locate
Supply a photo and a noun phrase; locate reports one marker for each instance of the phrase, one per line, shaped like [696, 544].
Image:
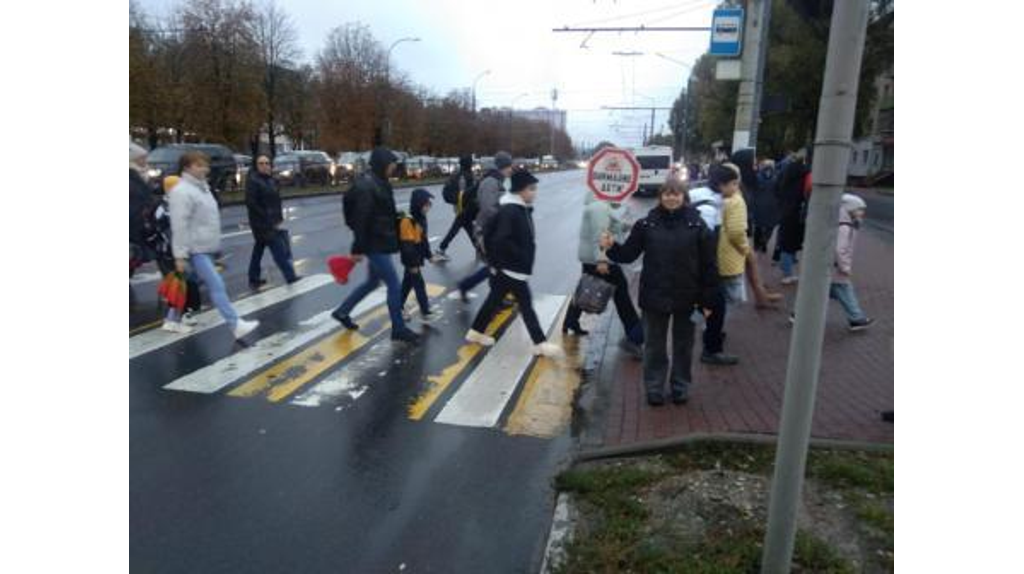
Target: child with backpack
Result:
[414, 247]
[851, 213]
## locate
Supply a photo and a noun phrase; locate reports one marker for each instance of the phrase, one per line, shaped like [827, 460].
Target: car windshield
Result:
[653, 161]
[165, 154]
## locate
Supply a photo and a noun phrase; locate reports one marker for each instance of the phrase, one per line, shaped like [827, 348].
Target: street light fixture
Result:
[511, 123]
[482, 74]
[386, 124]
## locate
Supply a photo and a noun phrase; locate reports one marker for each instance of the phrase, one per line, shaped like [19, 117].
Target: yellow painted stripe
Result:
[145, 327]
[436, 384]
[285, 377]
[544, 407]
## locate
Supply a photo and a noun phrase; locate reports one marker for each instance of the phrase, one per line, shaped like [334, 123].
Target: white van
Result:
[655, 167]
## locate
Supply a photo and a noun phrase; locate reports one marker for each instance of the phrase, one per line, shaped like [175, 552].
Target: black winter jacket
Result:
[679, 252]
[509, 238]
[371, 213]
[263, 202]
[141, 203]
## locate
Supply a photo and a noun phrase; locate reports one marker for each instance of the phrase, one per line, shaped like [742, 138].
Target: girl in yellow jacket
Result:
[733, 246]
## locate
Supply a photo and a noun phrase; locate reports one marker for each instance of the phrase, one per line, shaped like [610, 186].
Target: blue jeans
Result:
[381, 269]
[279, 250]
[844, 293]
[786, 261]
[202, 264]
[478, 277]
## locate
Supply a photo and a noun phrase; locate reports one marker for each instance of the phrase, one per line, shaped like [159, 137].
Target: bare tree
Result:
[277, 41]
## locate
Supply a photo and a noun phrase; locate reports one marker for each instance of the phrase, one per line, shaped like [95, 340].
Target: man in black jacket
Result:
[679, 276]
[263, 202]
[509, 240]
[371, 214]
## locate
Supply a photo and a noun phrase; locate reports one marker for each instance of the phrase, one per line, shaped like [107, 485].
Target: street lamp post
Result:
[385, 130]
[482, 74]
[511, 122]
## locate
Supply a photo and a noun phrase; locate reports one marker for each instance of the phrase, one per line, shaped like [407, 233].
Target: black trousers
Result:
[460, 222]
[656, 362]
[623, 304]
[502, 285]
[414, 281]
[714, 338]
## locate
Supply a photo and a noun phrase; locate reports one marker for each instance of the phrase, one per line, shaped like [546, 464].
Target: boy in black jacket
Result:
[510, 246]
[414, 247]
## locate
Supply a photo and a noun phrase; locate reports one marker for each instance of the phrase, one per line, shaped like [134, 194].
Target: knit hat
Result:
[521, 179]
[502, 159]
[466, 162]
[719, 175]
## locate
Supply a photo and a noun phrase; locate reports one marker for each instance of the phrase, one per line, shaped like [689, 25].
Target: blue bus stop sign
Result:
[726, 31]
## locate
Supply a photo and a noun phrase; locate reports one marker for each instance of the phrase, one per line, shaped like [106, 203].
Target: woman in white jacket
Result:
[195, 238]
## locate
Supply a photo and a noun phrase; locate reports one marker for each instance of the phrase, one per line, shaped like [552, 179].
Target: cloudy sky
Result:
[513, 39]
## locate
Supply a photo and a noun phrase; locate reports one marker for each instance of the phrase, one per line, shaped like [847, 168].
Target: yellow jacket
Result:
[732, 237]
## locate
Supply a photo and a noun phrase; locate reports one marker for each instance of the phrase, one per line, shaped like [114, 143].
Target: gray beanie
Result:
[502, 159]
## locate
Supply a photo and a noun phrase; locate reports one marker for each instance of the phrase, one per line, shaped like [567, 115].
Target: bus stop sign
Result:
[613, 174]
[726, 30]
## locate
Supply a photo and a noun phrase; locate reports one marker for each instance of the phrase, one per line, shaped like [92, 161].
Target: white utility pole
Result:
[836, 112]
[748, 97]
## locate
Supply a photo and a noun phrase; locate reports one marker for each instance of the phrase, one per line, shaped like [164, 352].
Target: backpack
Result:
[450, 191]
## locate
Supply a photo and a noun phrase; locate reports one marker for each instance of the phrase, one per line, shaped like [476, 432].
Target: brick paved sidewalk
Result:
[856, 378]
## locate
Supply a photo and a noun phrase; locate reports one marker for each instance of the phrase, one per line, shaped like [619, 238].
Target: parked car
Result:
[163, 161]
[243, 163]
[287, 169]
[316, 167]
[349, 164]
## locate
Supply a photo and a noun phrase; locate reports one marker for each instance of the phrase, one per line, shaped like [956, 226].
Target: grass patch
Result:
[620, 533]
[705, 455]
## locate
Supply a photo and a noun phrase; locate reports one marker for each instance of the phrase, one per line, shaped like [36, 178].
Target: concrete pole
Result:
[836, 112]
[748, 98]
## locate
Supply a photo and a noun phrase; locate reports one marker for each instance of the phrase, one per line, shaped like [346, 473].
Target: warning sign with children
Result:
[613, 174]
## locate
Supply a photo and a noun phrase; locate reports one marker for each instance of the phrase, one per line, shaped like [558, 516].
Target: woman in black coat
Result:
[792, 201]
[679, 276]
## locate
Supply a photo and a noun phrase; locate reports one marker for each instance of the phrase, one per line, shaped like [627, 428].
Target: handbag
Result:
[592, 294]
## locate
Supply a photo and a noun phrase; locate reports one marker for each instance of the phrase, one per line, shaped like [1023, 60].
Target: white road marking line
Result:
[156, 338]
[140, 278]
[266, 351]
[481, 399]
[235, 233]
[343, 386]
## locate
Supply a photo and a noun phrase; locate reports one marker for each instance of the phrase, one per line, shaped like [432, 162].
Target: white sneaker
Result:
[548, 349]
[176, 327]
[440, 257]
[430, 316]
[479, 338]
[243, 328]
[189, 319]
[406, 315]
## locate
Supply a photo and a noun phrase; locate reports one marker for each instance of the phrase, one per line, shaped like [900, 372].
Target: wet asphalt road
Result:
[221, 483]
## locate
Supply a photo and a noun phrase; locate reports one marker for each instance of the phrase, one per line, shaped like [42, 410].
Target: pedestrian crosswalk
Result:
[318, 363]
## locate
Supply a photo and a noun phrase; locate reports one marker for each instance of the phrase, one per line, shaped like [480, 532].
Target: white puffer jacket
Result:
[195, 218]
